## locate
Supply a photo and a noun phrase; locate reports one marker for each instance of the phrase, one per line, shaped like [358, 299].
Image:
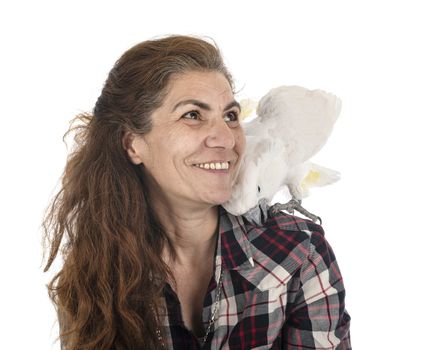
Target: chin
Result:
[218, 200]
[215, 195]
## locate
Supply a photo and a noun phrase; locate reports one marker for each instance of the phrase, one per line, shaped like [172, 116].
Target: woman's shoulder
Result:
[285, 231]
[292, 242]
[268, 254]
[279, 239]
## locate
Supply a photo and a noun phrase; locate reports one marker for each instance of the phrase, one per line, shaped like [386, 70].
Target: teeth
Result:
[217, 166]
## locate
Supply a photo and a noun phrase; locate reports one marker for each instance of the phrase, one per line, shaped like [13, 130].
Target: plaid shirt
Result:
[282, 289]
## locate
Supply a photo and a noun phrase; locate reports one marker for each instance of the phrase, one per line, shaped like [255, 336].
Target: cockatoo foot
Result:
[292, 205]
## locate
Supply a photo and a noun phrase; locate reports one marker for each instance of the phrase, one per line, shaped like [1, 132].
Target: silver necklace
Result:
[211, 320]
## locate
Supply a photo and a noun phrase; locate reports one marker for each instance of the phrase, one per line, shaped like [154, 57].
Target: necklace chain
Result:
[211, 320]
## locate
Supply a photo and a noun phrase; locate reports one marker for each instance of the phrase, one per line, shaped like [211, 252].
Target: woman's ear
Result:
[133, 144]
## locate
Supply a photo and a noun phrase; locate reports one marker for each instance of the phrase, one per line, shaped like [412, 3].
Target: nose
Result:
[220, 135]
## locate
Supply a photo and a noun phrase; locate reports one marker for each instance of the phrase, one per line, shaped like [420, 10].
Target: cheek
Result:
[240, 143]
[167, 153]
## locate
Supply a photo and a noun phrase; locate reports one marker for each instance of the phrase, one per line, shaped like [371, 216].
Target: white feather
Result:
[292, 125]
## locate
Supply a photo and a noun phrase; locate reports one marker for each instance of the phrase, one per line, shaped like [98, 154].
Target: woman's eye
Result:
[194, 115]
[232, 116]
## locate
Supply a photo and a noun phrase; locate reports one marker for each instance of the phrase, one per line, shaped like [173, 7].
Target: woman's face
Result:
[196, 143]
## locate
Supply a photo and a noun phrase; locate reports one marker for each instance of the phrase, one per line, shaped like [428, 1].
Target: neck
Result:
[192, 234]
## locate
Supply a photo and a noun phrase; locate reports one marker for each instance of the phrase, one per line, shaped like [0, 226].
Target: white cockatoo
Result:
[292, 125]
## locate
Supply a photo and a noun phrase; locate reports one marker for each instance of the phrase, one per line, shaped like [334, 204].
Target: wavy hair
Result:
[102, 220]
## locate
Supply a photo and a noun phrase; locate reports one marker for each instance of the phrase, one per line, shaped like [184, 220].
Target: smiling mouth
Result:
[214, 165]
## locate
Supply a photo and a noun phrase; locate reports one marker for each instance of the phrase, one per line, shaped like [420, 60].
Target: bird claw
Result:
[292, 205]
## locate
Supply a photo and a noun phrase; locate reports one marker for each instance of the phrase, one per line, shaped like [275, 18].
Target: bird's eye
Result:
[258, 189]
[193, 115]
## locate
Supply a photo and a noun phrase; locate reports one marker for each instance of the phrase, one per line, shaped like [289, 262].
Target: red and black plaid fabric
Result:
[282, 289]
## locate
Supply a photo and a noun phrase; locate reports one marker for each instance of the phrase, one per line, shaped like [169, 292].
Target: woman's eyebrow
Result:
[203, 105]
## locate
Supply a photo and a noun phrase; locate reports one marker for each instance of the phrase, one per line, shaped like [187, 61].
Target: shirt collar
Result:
[236, 250]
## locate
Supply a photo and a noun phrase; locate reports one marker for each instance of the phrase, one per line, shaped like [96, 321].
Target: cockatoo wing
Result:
[318, 176]
[307, 175]
[302, 118]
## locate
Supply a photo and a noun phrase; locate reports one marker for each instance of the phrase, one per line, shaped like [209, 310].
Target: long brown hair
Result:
[102, 220]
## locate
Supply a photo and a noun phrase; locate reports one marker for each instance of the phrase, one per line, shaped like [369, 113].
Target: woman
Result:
[151, 259]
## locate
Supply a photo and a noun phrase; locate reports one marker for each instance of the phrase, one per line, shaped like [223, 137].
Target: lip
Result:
[214, 171]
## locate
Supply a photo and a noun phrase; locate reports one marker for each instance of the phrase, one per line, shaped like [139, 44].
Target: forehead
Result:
[206, 85]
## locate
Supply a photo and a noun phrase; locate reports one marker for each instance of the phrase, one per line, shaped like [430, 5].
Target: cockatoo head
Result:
[260, 175]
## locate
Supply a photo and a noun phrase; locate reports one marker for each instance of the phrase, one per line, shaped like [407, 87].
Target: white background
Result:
[378, 56]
